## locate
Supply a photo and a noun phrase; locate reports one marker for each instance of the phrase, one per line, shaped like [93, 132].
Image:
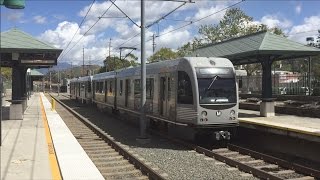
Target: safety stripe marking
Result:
[55, 169]
[280, 127]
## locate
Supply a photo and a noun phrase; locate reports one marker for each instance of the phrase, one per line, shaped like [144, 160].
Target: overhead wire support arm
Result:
[155, 22]
[79, 26]
[88, 30]
[124, 13]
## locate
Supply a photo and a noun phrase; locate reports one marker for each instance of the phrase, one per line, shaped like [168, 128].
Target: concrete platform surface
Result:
[289, 123]
[24, 151]
[42, 147]
[73, 161]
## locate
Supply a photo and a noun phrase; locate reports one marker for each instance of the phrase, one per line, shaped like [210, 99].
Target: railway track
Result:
[113, 160]
[258, 164]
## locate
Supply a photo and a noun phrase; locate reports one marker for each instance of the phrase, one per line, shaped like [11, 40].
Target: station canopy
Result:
[255, 47]
[20, 48]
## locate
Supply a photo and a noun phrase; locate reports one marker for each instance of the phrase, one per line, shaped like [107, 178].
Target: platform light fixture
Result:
[13, 4]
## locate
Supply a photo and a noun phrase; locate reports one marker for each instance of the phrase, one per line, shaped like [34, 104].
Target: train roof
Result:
[73, 80]
[103, 75]
[164, 66]
[84, 78]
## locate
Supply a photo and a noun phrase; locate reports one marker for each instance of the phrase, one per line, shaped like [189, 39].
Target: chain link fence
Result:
[293, 84]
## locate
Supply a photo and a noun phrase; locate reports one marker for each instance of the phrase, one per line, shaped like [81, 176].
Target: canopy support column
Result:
[267, 104]
[18, 102]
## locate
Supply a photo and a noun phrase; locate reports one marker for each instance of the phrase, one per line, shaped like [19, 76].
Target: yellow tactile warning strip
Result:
[55, 170]
[280, 127]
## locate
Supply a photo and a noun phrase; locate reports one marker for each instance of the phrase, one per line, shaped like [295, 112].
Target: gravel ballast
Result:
[172, 160]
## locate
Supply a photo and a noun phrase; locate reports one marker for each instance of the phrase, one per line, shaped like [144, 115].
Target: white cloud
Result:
[121, 29]
[63, 34]
[309, 28]
[298, 9]
[276, 21]
[40, 19]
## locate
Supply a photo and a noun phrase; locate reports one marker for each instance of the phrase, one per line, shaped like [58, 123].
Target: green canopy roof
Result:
[17, 39]
[251, 48]
[18, 47]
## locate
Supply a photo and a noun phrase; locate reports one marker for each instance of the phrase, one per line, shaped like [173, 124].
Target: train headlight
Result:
[204, 113]
[232, 112]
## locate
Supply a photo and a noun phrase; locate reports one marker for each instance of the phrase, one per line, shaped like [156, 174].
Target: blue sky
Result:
[57, 21]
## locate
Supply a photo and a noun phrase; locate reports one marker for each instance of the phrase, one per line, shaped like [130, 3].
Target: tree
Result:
[6, 73]
[163, 54]
[185, 49]
[235, 23]
[132, 59]
[112, 63]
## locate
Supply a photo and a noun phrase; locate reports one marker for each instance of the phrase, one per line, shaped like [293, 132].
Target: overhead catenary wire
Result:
[79, 26]
[157, 21]
[183, 26]
[195, 21]
[113, 2]
[89, 28]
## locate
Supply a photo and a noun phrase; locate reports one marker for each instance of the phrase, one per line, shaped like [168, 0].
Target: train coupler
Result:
[222, 135]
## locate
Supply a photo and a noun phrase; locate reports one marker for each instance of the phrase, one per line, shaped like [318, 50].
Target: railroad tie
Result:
[303, 178]
[220, 150]
[283, 172]
[252, 162]
[228, 153]
[269, 166]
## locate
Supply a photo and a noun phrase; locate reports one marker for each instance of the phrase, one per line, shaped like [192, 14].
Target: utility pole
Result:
[109, 57]
[153, 43]
[58, 82]
[83, 73]
[71, 71]
[109, 47]
[89, 73]
[143, 75]
[50, 81]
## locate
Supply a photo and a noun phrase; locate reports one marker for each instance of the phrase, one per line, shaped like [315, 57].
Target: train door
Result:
[105, 90]
[79, 87]
[85, 89]
[127, 89]
[163, 104]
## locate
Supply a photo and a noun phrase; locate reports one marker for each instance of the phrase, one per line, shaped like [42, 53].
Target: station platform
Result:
[294, 126]
[42, 147]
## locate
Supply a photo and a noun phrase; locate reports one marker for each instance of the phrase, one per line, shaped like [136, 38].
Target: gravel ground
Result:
[166, 157]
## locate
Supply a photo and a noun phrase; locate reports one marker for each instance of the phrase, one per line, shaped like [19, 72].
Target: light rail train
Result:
[196, 93]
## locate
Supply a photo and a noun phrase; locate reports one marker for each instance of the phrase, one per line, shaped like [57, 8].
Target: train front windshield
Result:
[217, 89]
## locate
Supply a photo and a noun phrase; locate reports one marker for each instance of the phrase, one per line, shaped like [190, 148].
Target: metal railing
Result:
[292, 84]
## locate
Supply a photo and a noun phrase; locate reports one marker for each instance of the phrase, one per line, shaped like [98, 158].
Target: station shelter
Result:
[262, 47]
[21, 51]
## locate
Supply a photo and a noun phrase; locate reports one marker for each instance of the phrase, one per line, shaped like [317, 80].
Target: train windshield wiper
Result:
[212, 81]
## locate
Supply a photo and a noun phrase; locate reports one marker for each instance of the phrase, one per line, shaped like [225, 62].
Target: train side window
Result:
[110, 87]
[105, 86]
[169, 88]
[97, 87]
[137, 88]
[129, 87]
[185, 95]
[100, 87]
[121, 88]
[149, 88]
[89, 86]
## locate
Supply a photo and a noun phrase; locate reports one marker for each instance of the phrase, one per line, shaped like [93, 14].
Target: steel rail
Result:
[135, 161]
[241, 166]
[286, 164]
